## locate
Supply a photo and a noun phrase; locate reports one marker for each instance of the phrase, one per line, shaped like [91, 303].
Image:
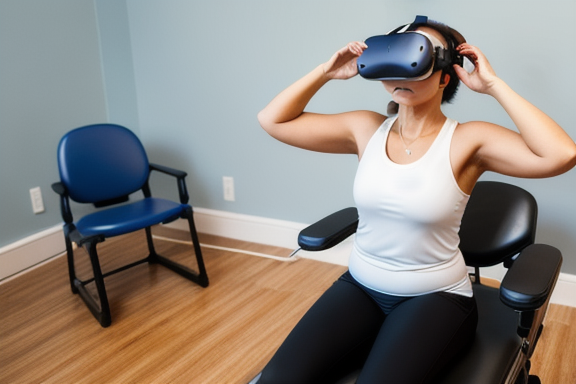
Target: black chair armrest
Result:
[530, 280]
[65, 209]
[180, 176]
[167, 170]
[329, 231]
[59, 188]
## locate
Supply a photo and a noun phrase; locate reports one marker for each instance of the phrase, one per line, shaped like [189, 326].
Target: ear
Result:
[444, 80]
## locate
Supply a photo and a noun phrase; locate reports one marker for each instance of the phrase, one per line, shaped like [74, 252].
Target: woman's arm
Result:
[541, 149]
[284, 117]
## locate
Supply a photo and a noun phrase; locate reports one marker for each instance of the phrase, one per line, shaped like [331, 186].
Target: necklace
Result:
[406, 149]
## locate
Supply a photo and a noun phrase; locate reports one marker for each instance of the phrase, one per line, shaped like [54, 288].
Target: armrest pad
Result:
[180, 175]
[329, 231]
[59, 188]
[530, 280]
[167, 170]
[65, 209]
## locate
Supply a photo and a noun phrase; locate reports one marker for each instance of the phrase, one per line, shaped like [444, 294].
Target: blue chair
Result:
[102, 164]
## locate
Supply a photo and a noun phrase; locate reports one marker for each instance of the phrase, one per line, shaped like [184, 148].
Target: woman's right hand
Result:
[342, 65]
[284, 117]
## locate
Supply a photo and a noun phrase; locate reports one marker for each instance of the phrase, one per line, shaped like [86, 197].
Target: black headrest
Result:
[499, 221]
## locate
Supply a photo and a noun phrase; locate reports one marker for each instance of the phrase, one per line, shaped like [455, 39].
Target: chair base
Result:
[99, 306]
[100, 309]
[198, 278]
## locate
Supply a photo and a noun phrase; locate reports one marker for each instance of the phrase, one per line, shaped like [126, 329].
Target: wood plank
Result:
[554, 359]
[166, 329]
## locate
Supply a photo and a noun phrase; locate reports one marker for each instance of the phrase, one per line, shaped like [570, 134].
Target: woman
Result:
[405, 308]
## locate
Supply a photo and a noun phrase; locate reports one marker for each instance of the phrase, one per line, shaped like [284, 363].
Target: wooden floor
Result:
[167, 330]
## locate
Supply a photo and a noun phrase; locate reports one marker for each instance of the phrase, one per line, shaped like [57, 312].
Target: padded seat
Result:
[129, 218]
[496, 344]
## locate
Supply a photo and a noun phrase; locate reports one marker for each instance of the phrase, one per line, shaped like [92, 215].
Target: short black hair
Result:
[454, 39]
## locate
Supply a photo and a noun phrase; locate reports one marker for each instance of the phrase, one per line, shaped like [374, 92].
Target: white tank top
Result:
[407, 238]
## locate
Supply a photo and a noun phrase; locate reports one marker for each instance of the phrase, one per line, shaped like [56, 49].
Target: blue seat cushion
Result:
[128, 218]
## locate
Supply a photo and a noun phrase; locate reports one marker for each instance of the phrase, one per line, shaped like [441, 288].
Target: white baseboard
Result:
[35, 249]
[565, 291]
[245, 227]
[284, 234]
[30, 251]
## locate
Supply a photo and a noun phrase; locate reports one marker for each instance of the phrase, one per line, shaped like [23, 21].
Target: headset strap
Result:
[443, 55]
[419, 20]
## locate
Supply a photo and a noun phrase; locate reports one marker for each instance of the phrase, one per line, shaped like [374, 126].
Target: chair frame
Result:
[100, 307]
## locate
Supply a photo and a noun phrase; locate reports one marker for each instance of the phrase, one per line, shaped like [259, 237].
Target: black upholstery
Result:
[524, 294]
[499, 221]
[496, 344]
[498, 226]
[329, 231]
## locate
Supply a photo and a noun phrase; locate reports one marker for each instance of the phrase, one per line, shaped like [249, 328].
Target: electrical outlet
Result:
[37, 202]
[228, 183]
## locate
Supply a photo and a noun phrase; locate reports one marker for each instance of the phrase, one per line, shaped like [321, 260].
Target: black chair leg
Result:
[203, 276]
[101, 308]
[534, 380]
[70, 258]
[200, 278]
[152, 256]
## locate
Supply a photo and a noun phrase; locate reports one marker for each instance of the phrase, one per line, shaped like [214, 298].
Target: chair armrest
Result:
[530, 280]
[65, 209]
[329, 231]
[59, 188]
[167, 170]
[180, 176]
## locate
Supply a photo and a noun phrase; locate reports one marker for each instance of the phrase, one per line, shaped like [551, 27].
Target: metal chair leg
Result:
[101, 308]
[200, 278]
[70, 258]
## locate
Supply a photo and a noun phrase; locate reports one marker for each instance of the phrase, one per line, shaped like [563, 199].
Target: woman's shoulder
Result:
[472, 126]
[472, 138]
[362, 123]
[364, 120]
[365, 124]
[367, 116]
[479, 131]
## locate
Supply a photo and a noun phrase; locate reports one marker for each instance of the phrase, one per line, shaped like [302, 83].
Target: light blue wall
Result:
[50, 82]
[190, 76]
[63, 64]
[117, 64]
[205, 68]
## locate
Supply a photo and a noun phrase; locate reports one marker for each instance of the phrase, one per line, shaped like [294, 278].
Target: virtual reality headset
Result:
[408, 54]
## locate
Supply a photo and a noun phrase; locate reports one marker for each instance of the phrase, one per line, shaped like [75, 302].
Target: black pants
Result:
[346, 330]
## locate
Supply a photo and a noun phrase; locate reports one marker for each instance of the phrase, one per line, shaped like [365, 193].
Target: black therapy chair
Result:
[103, 164]
[498, 226]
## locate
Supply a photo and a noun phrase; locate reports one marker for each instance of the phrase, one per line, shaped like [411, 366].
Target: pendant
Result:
[408, 152]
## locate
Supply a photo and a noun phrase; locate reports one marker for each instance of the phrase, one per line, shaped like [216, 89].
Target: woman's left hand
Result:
[541, 148]
[483, 77]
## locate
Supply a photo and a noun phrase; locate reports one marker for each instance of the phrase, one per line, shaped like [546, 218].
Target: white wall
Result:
[204, 69]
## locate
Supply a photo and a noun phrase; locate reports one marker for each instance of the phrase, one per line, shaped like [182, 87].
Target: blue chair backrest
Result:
[101, 162]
